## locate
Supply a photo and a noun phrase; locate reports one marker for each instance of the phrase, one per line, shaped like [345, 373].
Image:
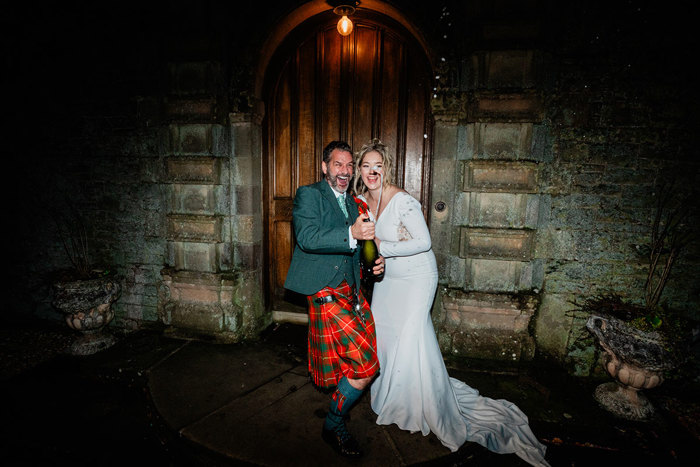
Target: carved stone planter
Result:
[635, 359]
[87, 306]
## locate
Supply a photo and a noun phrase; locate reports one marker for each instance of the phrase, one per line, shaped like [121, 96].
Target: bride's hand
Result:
[379, 266]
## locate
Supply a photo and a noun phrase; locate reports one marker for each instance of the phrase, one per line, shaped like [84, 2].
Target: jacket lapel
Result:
[329, 194]
[351, 206]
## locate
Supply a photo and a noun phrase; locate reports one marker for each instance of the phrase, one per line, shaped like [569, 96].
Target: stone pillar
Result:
[487, 173]
[212, 282]
[247, 218]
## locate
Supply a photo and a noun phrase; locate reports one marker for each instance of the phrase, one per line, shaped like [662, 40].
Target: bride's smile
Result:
[371, 170]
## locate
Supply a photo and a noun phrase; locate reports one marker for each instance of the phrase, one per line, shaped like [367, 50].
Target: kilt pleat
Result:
[340, 344]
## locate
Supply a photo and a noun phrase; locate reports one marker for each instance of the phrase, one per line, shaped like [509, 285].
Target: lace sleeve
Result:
[411, 217]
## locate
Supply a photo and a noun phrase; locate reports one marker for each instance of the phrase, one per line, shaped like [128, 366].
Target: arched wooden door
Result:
[322, 87]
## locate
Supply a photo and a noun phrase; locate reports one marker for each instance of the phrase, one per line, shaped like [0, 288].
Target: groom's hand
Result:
[362, 230]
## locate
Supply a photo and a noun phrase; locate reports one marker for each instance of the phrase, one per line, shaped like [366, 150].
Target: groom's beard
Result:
[333, 180]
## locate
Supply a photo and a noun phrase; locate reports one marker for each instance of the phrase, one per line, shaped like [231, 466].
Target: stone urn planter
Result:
[87, 306]
[635, 359]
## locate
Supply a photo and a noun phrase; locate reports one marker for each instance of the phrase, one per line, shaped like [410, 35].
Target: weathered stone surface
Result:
[243, 170]
[446, 140]
[490, 326]
[191, 139]
[198, 301]
[500, 176]
[631, 345]
[487, 275]
[466, 142]
[200, 110]
[82, 295]
[247, 200]
[455, 270]
[244, 139]
[498, 210]
[199, 170]
[195, 256]
[635, 359]
[501, 107]
[507, 244]
[247, 228]
[225, 306]
[502, 140]
[193, 199]
[481, 310]
[194, 228]
[247, 255]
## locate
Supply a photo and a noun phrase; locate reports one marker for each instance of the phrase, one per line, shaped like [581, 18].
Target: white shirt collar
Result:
[337, 193]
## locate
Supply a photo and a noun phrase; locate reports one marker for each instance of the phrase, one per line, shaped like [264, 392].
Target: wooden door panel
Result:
[283, 253]
[281, 156]
[371, 84]
[329, 84]
[307, 166]
[390, 119]
[363, 86]
[414, 149]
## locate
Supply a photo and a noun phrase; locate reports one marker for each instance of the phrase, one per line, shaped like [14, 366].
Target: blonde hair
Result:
[387, 165]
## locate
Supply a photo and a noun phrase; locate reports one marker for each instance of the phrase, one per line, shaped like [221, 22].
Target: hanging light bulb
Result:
[344, 26]
[344, 23]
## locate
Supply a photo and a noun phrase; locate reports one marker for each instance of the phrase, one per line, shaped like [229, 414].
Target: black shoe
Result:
[343, 442]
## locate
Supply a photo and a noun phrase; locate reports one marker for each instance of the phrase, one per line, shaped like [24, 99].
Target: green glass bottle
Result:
[368, 255]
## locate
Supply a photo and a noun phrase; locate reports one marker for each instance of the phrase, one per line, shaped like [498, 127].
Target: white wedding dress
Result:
[413, 388]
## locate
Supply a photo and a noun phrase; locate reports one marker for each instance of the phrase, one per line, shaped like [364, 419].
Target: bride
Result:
[413, 389]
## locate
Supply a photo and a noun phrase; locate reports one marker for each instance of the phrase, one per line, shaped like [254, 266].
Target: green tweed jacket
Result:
[322, 247]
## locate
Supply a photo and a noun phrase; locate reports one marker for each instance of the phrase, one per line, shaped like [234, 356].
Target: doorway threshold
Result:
[280, 316]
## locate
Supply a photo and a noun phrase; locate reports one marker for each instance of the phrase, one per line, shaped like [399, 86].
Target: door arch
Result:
[319, 87]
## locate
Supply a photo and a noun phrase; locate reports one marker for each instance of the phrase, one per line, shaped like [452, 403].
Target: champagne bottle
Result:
[368, 256]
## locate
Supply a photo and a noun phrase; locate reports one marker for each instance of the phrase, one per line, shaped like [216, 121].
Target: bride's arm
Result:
[411, 217]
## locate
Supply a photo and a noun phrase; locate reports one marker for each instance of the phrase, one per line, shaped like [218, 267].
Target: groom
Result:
[325, 267]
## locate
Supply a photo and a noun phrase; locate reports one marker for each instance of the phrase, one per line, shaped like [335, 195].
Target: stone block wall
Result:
[617, 129]
[487, 174]
[213, 280]
[133, 241]
[547, 157]
[111, 183]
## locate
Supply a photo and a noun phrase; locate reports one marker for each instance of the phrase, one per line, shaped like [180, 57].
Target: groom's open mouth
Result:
[342, 180]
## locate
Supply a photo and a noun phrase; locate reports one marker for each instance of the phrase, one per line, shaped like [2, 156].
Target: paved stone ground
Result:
[61, 409]
[22, 347]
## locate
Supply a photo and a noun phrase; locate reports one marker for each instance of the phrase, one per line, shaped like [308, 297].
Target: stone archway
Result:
[319, 87]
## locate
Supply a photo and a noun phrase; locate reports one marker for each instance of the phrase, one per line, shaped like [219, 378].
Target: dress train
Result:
[413, 389]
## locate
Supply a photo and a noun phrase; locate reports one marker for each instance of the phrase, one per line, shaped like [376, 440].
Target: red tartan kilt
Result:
[339, 343]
